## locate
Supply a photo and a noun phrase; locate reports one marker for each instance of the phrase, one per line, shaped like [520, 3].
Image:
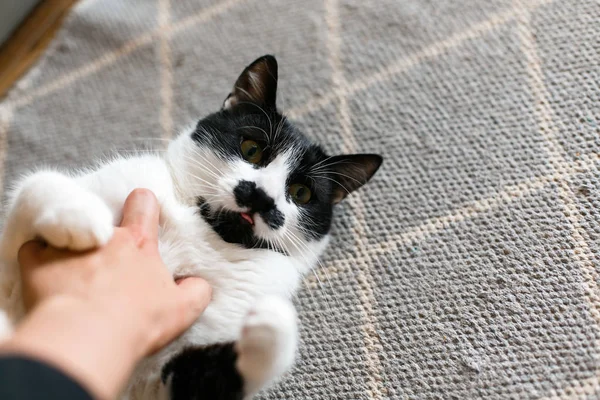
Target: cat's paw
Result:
[267, 346]
[81, 224]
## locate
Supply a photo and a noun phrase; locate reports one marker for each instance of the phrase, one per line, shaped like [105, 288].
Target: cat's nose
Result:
[248, 195]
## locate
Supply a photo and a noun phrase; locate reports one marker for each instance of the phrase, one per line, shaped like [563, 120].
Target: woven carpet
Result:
[469, 267]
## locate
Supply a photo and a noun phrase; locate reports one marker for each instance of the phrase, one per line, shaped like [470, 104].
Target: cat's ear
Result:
[349, 172]
[257, 84]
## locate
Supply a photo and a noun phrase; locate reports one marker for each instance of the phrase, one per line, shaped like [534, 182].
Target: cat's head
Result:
[256, 179]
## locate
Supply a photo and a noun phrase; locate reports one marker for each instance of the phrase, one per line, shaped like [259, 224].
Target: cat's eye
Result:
[300, 193]
[251, 151]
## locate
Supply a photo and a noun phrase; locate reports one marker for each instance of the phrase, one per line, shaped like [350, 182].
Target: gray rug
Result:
[469, 267]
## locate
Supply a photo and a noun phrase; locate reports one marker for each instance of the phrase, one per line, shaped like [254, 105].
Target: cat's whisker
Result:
[204, 169]
[279, 127]
[210, 198]
[209, 184]
[321, 162]
[257, 243]
[264, 112]
[336, 173]
[340, 174]
[335, 181]
[255, 127]
[270, 245]
[307, 285]
[281, 246]
[320, 264]
[212, 174]
[328, 166]
[213, 198]
[296, 242]
[342, 161]
[209, 167]
[197, 153]
[152, 138]
[139, 151]
[304, 230]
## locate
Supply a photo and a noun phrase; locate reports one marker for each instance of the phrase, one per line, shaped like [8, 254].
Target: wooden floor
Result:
[30, 40]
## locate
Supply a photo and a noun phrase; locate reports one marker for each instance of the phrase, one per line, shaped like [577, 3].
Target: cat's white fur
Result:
[78, 211]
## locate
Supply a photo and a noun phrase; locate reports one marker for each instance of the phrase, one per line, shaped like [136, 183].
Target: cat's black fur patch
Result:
[199, 373]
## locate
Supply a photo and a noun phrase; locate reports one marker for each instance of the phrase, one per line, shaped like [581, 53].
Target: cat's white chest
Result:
[238, 276]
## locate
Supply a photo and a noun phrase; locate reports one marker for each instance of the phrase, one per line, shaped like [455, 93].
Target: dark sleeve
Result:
[27, 379]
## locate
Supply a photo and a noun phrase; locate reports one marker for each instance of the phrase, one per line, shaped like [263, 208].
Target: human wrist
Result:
[93, 346]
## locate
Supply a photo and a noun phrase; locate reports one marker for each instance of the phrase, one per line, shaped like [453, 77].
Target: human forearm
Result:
[72, 336]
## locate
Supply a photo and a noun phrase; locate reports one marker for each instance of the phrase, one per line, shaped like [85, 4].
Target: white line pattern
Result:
[555, 151]
[373, 346]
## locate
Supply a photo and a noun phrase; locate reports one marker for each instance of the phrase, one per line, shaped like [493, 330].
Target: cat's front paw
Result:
[267, 346]
[82, 224]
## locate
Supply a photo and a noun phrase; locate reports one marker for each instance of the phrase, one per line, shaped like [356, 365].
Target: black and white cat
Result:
[246, 203]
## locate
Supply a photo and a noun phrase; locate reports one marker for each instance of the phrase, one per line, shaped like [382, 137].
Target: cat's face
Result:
[259, 181]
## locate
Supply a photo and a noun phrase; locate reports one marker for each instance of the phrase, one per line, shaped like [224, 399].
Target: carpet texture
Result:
[469, 267]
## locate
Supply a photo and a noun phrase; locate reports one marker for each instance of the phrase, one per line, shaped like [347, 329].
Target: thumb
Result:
[141, 213]
[194, 294]
[191, 298]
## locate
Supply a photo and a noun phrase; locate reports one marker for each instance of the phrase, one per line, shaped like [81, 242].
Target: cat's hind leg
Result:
[237, 371]
[267, 347]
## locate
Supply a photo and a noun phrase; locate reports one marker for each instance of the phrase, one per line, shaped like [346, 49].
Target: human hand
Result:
[116, 302]
[127, 276]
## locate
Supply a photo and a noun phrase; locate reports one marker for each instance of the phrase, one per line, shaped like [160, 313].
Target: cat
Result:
[246, 203]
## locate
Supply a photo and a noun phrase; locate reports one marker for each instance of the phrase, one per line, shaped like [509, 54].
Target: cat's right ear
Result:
[256, 85]
[351, 171]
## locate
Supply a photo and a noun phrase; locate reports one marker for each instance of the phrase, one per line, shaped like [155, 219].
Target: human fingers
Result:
[141, 213]
[191, 299]
[194, 295]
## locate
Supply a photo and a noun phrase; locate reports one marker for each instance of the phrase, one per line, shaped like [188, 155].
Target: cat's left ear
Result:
[257, 84]
[349, 172]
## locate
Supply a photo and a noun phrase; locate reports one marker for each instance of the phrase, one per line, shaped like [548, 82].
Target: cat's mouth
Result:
[240, 227]
[232, 226]
[247, 218]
